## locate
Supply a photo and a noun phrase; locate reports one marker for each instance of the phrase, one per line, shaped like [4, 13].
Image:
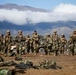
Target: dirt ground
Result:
[68, 64]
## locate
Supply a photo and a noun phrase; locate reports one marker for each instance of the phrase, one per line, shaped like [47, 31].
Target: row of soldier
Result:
[21, 44]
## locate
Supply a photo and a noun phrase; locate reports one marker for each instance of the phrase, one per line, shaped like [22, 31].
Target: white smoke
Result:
[63, 12]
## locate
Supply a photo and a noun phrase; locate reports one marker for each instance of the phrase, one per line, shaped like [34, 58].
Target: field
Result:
[68, 64]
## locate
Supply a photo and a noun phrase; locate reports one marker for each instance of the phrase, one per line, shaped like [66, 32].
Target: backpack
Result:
[24, 65]
[1, 64]
[5, 71]
[11, 63]
[18, 58]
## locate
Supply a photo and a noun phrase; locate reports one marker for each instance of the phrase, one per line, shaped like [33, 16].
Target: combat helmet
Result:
[55, 31]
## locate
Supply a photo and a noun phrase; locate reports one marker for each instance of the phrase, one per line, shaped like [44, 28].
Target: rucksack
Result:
[1, 64]
[11, 63]
[21, 66]
[5, 71]
[18, 58]
[28, 62]
[25, 65]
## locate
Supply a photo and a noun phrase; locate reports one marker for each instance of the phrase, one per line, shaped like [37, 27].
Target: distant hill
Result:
[22, 8]
[43, 25]
[42, 28]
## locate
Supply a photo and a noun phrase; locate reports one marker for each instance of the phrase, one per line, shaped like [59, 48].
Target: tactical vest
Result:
[35, 37]
[19, 38]
[63, 40]
[55, 38]
[8, 39]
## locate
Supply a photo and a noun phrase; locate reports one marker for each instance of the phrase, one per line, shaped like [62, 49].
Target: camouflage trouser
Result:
[8, 50]
[5, 49]
[71, 49]
[25, 49]
[62, 48]
[71, 52]
[35, 48]
[75, 48]
[56, 52]
[48, 49]
[28, 48]
[19, 49]
[6, 45]
[1, 48]
[32, 49]
[55, 48]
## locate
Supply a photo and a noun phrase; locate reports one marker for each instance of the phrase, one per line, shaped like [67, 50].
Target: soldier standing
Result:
[19, 41]
[74, 40]
[35, 38]
[7, 42]
[56, 40]
[31, 46]
[63, 42]
[27, 43]
[48, 43]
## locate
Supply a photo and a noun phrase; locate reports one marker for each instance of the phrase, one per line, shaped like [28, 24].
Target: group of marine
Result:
[21, 44]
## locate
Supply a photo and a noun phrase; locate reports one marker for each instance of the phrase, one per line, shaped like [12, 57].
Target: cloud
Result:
[65, 8]
[62, 12]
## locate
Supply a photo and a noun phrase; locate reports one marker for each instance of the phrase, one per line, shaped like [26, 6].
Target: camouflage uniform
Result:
[56, 41]
[7, 42]
[71, 45]
[35, 38]
[27, 43]
[49, 44]
[19, 39]
[63, 42]
[31, 45]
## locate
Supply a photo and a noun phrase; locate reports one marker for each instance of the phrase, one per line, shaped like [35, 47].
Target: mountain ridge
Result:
[42, 25]
[22, 8]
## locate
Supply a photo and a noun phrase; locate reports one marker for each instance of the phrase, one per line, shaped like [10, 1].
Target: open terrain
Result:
[68, 64]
